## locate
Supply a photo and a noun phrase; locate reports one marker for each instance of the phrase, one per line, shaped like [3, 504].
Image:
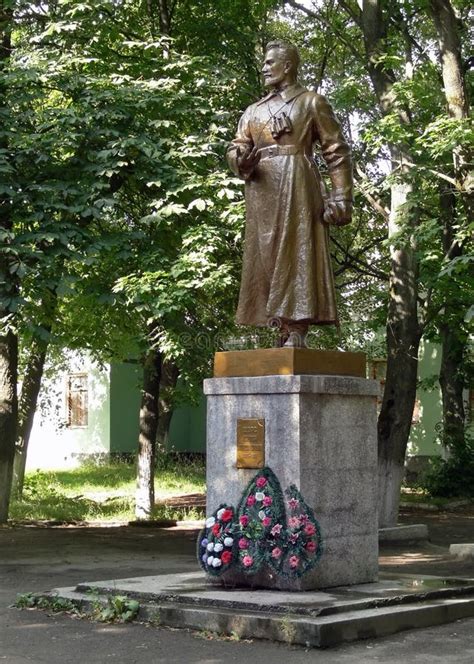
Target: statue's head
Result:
[280, 66]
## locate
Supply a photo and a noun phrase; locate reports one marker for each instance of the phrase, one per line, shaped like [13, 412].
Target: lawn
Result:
[105, 492]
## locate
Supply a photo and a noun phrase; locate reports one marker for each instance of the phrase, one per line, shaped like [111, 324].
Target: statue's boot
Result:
[282, 338]
[297, 333]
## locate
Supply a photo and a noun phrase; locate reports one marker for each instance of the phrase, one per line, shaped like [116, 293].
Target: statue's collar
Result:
[288, 94]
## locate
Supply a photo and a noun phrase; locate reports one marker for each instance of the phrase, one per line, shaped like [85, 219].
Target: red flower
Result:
[309, 529]
[247, 561]
[243, 543]
[227, 515]
[226, 557]
[267, 501]
[311, 546]
[276, 552]
[251, 501]
[294, 522]
[266, 521]
[294, 561]
[261, 481]
[244, 520]
[216, 529]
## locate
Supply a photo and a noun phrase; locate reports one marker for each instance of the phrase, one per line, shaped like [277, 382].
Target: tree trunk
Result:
[160, 9]
[8, 416]
[165, 17]
[403, 333]
[30, 390]
[8, 289]
[145, 488]
[453, 346]
[26, 411]
[451, 62]
[452, 385]
[403, 339]
[169, 378]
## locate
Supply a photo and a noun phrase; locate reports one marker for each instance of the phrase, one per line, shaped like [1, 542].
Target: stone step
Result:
[317, 632]
[313, 618]
[462, 551]
[414, 533]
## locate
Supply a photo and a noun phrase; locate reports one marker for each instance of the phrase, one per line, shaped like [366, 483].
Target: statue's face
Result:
[275, 68]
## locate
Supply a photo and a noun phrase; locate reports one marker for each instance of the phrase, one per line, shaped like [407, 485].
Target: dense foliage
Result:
[120, 204]
[453, 476]
[121, 228]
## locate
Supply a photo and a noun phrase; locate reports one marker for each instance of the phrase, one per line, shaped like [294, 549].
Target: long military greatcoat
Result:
[286, 267]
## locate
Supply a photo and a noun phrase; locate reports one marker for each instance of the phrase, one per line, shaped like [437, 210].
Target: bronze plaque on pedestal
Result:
[250, 443]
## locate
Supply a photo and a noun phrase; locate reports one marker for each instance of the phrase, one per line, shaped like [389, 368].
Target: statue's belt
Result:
[277, 150]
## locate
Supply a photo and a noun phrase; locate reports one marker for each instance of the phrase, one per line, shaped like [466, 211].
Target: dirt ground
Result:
[445, 527]
[36, 559]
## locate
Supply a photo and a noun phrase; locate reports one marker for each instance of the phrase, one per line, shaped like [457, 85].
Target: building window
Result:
[77, 397]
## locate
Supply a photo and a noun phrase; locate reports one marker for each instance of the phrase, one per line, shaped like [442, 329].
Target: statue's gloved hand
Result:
[247, 160]
[337, 212]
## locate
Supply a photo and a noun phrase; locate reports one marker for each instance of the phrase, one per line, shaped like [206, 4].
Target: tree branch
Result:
[400, 24]
[129, 35]
[357, 264]
[437, 173]
[355, 16]
[319, 18]
[378, 207]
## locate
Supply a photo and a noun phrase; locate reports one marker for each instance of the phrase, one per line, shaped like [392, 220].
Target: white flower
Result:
[228, 541]
[218, 547]
[217, 562]
[210, 522]
[220, 513]
[261, 515]
[259, 496]
[210, 546]
[210, 560]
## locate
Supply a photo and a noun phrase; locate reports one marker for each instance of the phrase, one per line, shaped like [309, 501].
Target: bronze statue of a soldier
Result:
[287, 280]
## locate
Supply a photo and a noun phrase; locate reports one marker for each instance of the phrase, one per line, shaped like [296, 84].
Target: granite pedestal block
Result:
[320, 434]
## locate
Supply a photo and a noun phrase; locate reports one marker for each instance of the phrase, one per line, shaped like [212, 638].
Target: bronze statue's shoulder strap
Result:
[267, 97]
[292, 92]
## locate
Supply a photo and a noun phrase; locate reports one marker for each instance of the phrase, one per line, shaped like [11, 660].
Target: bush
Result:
[453, 477]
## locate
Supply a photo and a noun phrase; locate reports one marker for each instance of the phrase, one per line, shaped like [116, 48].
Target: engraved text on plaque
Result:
[250, 443]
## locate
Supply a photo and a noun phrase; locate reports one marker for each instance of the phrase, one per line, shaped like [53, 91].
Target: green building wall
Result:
[423, 435]
[188, 428]
[125, 379]
[188, 423]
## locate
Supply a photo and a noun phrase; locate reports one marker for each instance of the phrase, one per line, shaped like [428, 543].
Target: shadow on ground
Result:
[36, 559]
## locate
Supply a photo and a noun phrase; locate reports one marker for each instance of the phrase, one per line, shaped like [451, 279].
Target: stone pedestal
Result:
[320, 434]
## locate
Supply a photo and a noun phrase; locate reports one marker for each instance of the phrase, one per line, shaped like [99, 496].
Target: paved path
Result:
[35, 559]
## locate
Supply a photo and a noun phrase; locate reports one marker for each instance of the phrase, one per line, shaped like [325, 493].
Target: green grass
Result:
[105, 492]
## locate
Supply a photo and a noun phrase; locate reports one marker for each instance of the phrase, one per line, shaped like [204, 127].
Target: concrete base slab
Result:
[462, 551]
[415, 533]
[313, 618]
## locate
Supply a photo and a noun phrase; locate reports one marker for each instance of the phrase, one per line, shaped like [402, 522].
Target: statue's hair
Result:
[289, 51]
